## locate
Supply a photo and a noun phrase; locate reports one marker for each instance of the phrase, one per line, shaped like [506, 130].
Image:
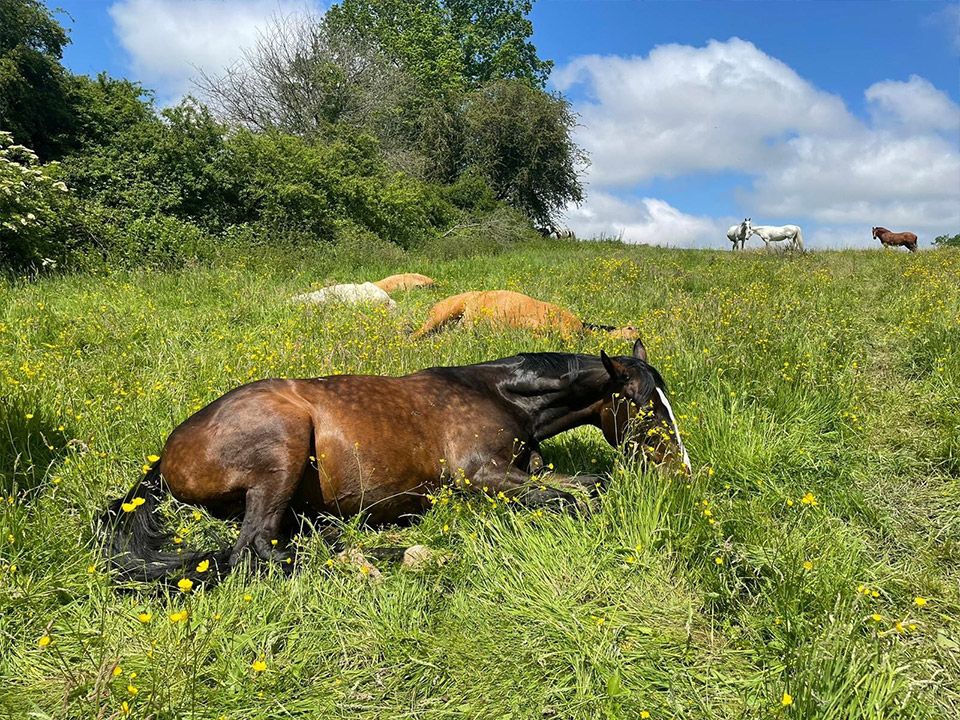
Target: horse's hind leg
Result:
[266, 505]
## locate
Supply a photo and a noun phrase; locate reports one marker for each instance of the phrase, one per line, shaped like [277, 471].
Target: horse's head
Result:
[638, 410]
[627, 332]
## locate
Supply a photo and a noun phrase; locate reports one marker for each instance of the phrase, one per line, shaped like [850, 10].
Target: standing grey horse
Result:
[776, 233]
[739, 233]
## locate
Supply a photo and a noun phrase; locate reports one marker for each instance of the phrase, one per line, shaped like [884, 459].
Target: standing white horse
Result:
[776, 233]
[739, 233]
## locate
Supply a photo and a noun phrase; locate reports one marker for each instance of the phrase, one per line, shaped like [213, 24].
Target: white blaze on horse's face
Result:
[676, 432]
[628, 408]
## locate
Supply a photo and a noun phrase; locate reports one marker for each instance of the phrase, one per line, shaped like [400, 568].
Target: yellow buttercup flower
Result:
[203, 566]
[919, 601]
[44, 641]
[259, 666]
[153, 458]
[787, 699]
[185, 585]
[145, 617]
[128, 507]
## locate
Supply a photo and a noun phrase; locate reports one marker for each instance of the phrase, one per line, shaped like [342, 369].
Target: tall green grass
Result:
[819, 396]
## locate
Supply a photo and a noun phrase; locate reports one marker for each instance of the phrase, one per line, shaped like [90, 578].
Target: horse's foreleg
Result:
[532, 491]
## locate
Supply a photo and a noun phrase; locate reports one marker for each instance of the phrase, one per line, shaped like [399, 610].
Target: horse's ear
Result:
[614, 368]
[639, 351]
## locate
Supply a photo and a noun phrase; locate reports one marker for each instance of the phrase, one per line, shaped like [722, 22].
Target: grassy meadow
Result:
[809, 569]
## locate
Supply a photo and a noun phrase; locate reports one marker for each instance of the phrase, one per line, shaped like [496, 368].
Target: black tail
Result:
[133, 538]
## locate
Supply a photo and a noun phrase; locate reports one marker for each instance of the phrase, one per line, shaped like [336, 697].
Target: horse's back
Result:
[518, 310]
[404, 281]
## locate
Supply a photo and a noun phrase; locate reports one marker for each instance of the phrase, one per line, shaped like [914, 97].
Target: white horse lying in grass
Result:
[776, 233]
[349, 294]
[739, 233]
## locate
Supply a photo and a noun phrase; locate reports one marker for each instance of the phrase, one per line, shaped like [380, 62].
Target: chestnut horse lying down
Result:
[378, 446]
[513, 309]
[892, 239]
[406, 281]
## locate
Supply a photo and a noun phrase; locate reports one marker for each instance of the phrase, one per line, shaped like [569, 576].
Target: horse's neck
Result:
[562, 400]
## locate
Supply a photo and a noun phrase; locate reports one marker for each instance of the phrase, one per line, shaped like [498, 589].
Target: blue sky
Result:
[832, 115]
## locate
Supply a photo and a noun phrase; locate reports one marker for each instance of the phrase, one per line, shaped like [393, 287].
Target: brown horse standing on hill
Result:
[378, 446]
[892, 239]
[511, 309]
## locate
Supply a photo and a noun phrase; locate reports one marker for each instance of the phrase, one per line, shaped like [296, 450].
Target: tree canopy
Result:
[449, 46]
[34, 89]
[384, 121]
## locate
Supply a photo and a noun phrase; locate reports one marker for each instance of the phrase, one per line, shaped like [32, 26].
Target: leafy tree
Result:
[449, 45]
[415, 34]
[518, 139]
[494, 37]
[34, 103]
[947, 241]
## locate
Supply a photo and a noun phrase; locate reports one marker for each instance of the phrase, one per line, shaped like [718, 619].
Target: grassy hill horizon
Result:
[808, 569]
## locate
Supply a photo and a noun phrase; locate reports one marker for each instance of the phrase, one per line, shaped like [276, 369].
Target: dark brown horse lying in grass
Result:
[377, 446]
[892, 239]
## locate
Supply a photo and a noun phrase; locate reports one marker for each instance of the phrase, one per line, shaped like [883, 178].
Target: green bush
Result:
[167, 163]
[291, 184]
[489, 234]
[34, 207]
[159, 241]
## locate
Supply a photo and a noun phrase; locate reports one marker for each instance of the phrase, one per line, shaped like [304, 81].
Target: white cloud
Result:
[649, 221]
[948, 19]
[871, 177]
[730, 107]
[168, 40]
[915, 105]
[684, 109]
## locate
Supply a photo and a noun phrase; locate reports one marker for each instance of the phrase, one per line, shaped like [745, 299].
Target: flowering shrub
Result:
[32, 206]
